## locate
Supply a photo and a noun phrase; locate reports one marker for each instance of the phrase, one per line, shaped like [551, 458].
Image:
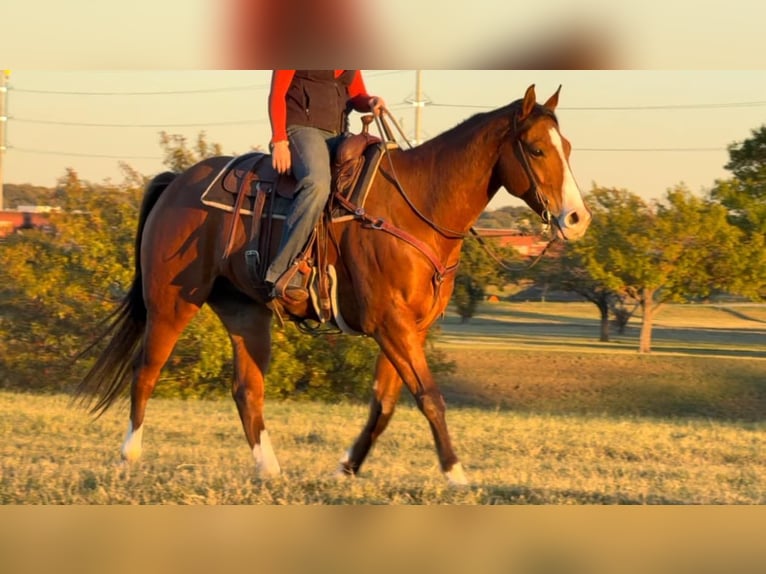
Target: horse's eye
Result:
[535, 151]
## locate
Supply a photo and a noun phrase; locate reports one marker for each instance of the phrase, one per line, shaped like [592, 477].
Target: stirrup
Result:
[286, 290]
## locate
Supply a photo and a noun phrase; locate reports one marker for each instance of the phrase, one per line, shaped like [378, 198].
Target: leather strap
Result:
[260, 200]
[370, 222]
[246, 181]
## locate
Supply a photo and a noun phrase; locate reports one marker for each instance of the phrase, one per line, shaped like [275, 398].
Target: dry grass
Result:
[540, 412]
[195, 454]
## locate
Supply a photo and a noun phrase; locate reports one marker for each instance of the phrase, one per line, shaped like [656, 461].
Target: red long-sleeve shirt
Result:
[280, 83]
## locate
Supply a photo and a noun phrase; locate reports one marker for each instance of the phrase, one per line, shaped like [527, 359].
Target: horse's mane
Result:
[466, 130]
[468, 127]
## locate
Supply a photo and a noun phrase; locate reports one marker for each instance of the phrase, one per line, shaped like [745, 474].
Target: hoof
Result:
[131, 448]
[456, 476]
[268, 473]
[344, 471]
[130, 454]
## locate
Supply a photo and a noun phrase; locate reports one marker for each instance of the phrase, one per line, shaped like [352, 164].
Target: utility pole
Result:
[4, 76]
[418, 104]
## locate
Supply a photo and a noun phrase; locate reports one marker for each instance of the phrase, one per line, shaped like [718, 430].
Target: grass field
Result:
[713, 330]
[540, 411]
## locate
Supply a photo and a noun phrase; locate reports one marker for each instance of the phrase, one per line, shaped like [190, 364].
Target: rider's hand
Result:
[280, 156]
[377, 105]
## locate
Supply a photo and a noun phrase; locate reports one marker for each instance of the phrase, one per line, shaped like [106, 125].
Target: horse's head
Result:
[534, 165]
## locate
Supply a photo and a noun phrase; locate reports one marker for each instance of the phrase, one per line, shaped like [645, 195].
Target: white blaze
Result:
[571, 198]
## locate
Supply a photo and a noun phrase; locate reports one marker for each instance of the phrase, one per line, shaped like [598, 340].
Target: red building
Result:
[526, 245]
[11, 221]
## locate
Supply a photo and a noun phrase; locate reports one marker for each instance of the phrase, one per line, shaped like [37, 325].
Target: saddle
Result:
[258, 190]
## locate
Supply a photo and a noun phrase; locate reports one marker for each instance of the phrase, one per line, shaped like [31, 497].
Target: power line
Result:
[169, 92]
[649, 149]
[108, 125]
[626, 108]
[671, 106]
[76, 154]
[141, 93]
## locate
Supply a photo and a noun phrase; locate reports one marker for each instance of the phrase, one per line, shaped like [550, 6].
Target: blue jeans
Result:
[310, 150]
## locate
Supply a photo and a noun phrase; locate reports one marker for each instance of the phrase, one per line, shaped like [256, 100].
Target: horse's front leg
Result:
[386, 388]
[402, 342]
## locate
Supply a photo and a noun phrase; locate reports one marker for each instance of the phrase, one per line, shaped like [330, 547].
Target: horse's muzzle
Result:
[573, 224]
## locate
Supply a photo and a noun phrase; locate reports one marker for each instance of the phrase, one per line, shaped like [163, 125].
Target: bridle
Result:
[518, 148]
[522, 156]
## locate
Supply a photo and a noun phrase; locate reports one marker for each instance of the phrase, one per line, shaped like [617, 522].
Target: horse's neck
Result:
[461, 163]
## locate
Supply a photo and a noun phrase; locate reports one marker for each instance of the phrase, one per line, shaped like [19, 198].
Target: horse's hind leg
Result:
[387, 388]
[161, 335]
[249, 327]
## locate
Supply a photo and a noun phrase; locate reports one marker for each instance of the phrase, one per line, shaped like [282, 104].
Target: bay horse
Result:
[388, 288]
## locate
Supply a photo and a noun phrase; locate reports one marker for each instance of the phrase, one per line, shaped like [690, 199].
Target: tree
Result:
[55, 287]
[682, 249]
[15, 195]
[516, 217]
[567, 269]
[744, 195]
[477, 271]
[178, 155]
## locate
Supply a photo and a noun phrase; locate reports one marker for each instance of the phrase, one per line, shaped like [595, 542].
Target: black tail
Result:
[124, 328]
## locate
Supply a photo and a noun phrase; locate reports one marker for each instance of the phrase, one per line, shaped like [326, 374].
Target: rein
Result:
[394, 179]
[488, 250]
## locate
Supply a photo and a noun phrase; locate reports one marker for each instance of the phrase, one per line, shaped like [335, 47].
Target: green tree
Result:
[744, 195]
[567, 270]
[478, 270]
[516, 217]
[678, 250]
[25, 194]
[179, 156]
[55, 287]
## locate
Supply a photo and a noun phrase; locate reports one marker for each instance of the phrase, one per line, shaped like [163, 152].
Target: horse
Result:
[395, 271]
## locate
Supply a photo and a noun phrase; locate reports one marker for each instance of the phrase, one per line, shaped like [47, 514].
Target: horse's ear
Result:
[553, 101]
[529, 102]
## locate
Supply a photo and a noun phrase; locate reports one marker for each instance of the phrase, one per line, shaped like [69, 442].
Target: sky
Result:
[642, 130]
[656, 91]
[205, 34]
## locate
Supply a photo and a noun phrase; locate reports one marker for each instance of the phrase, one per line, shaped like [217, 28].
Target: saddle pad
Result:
[221, 193]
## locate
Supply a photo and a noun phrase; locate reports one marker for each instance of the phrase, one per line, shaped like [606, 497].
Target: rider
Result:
[308, 110]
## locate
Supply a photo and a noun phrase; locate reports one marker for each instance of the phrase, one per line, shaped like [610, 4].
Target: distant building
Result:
[25, 217]
[526, 245]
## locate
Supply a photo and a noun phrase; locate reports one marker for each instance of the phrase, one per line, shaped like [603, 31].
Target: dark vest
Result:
[318, 99]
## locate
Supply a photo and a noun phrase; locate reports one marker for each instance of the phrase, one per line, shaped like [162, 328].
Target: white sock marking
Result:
[340, 473]
[266, 464]
[131, 448]
[456, 475]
